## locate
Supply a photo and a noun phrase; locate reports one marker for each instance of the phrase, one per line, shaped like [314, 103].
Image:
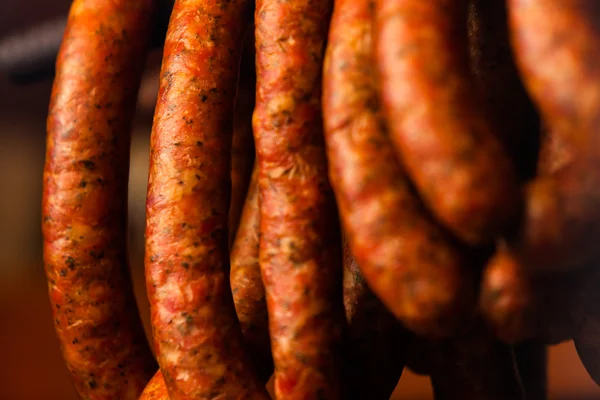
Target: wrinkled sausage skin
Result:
[84, 207]
[197, 336]
[300, 248]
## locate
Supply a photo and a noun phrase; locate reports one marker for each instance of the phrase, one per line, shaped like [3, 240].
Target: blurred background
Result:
[31, 367]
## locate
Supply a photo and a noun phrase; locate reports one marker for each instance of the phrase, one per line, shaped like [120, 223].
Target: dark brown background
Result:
[31, 367]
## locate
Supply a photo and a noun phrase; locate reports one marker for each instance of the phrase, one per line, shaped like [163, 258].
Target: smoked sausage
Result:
[374, 349]
[555, 45]
[436, 119]
[197, 336]
[300, 246]
[411, 264]
[84, 206]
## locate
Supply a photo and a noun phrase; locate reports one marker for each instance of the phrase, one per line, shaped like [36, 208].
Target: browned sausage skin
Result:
[436, 120]
[197, 336]
[84, 208]
[300, 244]
[411, 264]
[556, 46]
[247, 287]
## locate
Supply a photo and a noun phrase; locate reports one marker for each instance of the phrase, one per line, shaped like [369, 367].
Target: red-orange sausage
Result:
[300, 246]
[242, 147]
[84, 207]
[247, 287]
[415, 268]
[437, 121]
[555, 45]
[197, 336]
[375, 346]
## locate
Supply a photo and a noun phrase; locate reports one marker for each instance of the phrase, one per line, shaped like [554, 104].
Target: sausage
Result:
[555, 46]
[197, 337]
[507, 104]
[475, 366]
[300, 245]
[84, 206]
[411, 264]
[520, 305]
[508, 297]
[156, 389]
[247, 287]
[375, 348]
[242, 148]
[437, 122]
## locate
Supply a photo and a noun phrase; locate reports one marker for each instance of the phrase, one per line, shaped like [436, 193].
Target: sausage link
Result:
[437, 121]
[508, 105]
[508, 297]
[411, 264]
[375, 347]
[247, 287]
[84, 207]
[242, 147]
[521, 305]
[474, 366]
[555, 45]
[300, 247]
[197, 337]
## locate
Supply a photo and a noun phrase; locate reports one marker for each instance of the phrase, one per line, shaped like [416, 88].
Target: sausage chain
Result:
[417, 271]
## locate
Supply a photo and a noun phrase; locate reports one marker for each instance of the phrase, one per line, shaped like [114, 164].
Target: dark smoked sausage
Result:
[197, 336]
[437, 121]
[300, 247]
[374, 348]
[84, 208]
[247, 287]
[409, 262]
[474, 366]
